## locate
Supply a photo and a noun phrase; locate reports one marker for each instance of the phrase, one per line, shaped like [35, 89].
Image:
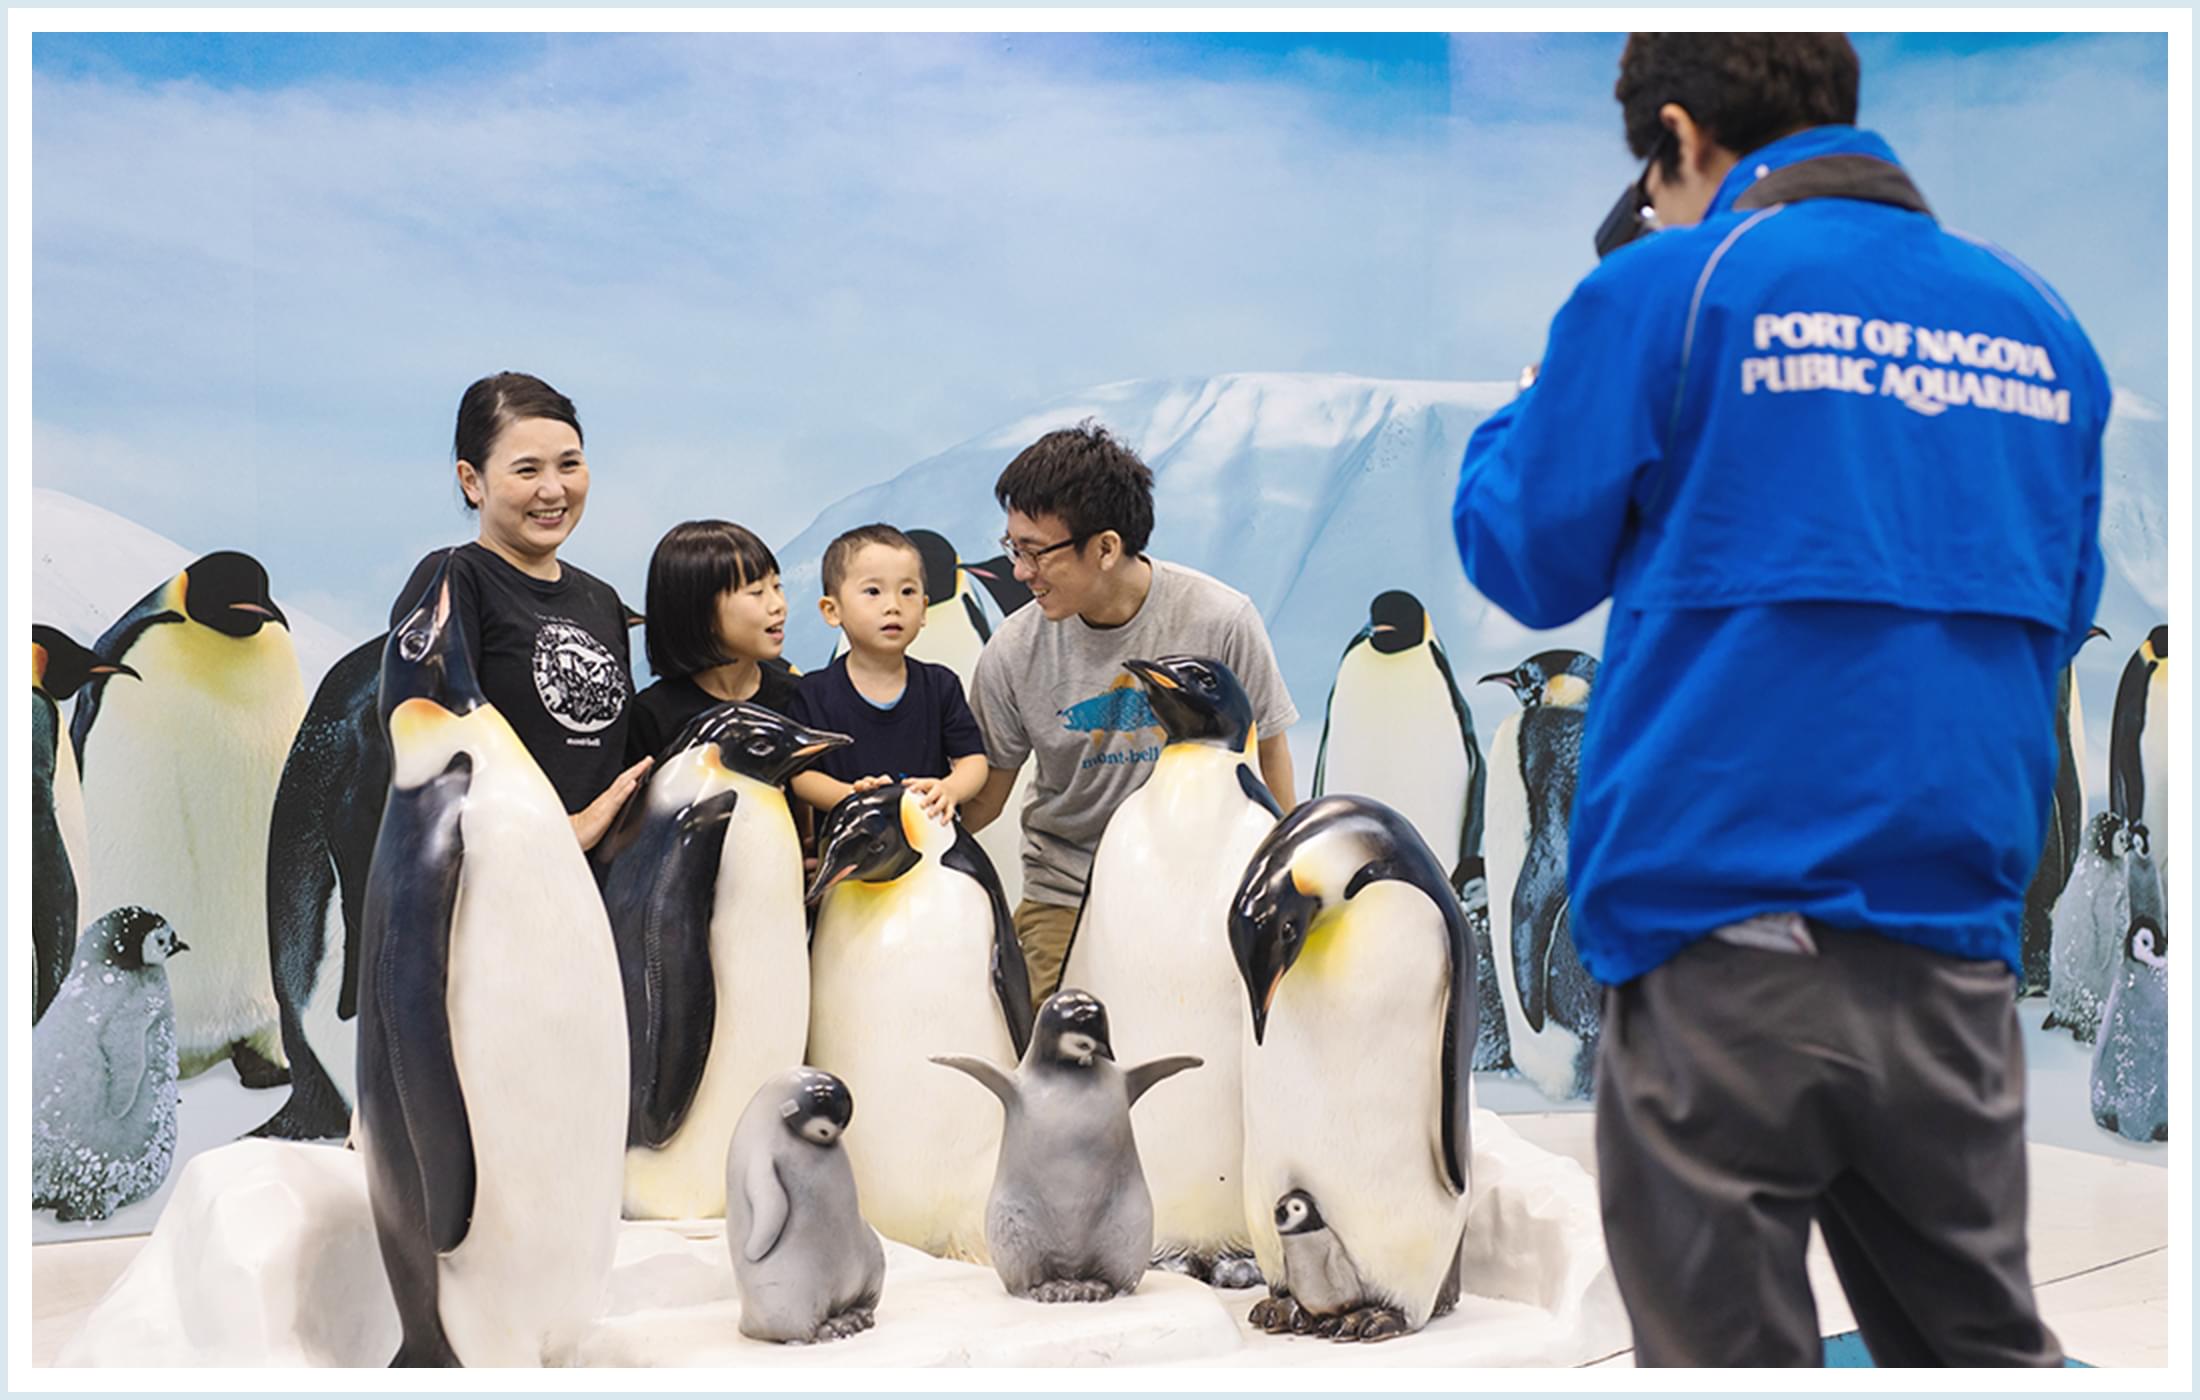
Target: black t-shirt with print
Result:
[660, 712]
[552, 657]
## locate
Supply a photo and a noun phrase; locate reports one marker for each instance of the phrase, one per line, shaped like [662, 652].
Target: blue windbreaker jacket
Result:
[1839, 470]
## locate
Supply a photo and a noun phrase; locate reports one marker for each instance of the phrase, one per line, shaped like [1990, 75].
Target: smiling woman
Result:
[548, 641]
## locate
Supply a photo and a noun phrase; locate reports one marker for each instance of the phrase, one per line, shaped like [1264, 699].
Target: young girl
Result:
[716, 615]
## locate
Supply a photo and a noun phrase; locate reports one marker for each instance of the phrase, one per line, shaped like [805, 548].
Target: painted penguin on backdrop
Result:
[1551, 1003]
[103, 1072]
[702, 878]
[2138, 746]
[2059, 852]
[1069, 1219]
[2130, 1080]
[1152, 941]
[59, 668]
[914, 955]
[1359, 1085]
[180, 769]
[328, 809]
[807, 1266]
[1397, 729]
[2091, 919]
[492, 1038]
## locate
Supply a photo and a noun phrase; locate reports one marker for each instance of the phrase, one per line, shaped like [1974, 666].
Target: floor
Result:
[2099, 1255]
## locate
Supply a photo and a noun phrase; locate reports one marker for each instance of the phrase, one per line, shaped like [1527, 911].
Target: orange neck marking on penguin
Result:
[38, 666]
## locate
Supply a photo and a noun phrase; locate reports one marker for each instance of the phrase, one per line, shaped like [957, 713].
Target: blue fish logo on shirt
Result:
[1121, 709]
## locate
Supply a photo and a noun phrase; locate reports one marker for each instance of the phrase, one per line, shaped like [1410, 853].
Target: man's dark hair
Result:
[1744, 89]
[834, 567]
[693, 564]
[1088, 478]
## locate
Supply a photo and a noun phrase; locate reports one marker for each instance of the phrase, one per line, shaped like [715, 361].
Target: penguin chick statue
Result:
[103, 1077]
[1359, 970]
[1070, 1219]
[2130, 1081]
[807, 1266]
[1552, 1005]
[1153, 943]
[913, 956]
[492, 1038]
[703, 883]
[59, 668]
[1323, 1286]
[180, 770]
[2092, 916]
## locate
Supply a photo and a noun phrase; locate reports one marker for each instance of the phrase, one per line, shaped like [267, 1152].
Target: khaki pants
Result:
[1042, 931]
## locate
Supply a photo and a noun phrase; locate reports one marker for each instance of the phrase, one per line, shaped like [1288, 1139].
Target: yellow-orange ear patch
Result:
[416, 719]
[38, 665]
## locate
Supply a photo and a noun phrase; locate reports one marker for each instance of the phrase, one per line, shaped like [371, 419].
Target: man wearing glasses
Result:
[1839, 471]
[1051, 683]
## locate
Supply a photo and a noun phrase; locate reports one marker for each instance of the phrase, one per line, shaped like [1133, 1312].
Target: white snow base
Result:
[266, 1256]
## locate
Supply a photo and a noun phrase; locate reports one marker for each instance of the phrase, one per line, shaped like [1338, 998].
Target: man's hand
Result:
[592, 821]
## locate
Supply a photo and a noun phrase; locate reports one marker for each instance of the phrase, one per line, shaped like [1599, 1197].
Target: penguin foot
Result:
[255, 1070]
[1371, 1325]
[1275, 1315]
[1073, 1290]
[1189, 1265]
[2106, 1120]
[2161, 1132]
[843, 1325]
[1236, 1271]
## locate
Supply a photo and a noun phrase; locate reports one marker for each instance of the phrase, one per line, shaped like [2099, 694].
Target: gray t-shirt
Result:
[1059, 690]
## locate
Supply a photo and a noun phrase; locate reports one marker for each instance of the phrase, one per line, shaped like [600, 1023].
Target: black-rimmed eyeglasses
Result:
[1017, 554]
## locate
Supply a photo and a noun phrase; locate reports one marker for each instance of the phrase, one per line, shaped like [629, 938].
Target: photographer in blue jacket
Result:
[1838, 468]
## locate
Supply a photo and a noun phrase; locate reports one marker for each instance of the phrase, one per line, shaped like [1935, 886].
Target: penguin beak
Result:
[1511, 678]
[115, 668]
[825, 881]
[2097, 631]
[180, 947]
[1267, 930]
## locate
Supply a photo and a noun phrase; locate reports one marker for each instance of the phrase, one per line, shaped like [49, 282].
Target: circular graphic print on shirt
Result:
[577, 677]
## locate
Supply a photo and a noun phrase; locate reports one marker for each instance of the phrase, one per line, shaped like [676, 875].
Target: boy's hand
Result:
[867, 784]
[939, 803]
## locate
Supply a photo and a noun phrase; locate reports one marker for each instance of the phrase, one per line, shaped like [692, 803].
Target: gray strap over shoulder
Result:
[1836, 177]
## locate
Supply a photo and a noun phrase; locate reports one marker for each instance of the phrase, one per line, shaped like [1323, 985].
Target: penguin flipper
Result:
[678, 976]
[1139, 1078]
[1470, 820]
[991, 1075]
[112, 643]
[411, 897]
[1011, 977]
[125, 1045]
[1321, 750]
[767, 1200]
[1257, 791]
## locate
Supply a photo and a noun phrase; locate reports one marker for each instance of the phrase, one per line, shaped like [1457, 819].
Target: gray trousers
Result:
[1872, 1086]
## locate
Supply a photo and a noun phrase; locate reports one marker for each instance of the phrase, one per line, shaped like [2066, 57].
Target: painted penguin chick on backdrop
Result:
[2130, 1079]
[103, 1072]
[1070, 1219]
[808, 1268]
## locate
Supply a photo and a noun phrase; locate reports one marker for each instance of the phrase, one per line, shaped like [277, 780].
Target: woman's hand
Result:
[592, 821]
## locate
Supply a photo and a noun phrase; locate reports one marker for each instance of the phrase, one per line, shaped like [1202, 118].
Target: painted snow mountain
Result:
[1312, 493]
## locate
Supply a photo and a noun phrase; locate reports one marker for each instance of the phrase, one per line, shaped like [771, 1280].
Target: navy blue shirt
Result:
[920, 736]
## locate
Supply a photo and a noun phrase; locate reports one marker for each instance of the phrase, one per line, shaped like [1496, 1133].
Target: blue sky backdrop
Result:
[772, 269]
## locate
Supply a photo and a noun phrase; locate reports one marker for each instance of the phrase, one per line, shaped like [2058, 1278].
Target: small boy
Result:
[908, 718]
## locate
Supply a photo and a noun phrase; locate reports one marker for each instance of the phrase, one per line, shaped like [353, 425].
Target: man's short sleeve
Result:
[993, 706]
[1251, 655]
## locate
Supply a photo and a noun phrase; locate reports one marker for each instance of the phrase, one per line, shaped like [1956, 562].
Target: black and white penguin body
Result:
[59, 844]
[2138, 746]
[1552, 1006]
[2130, 1080]
[807, 1266]
[2065, 828]
[328, 810]
[702, 878]
[103, 1076]
[1397, 730]
[914, 955]
[180, 769]
[492, 1036]
[1152, 942]
[1069, 1218]
[2091, 920]
[1358, 967]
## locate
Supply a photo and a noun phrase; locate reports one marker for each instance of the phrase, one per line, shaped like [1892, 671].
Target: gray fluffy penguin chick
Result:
[103, 1072]
[1070, 1219]
[808, 1268]
[2130, 1088]
[1320, 1282]
[2088, 923]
